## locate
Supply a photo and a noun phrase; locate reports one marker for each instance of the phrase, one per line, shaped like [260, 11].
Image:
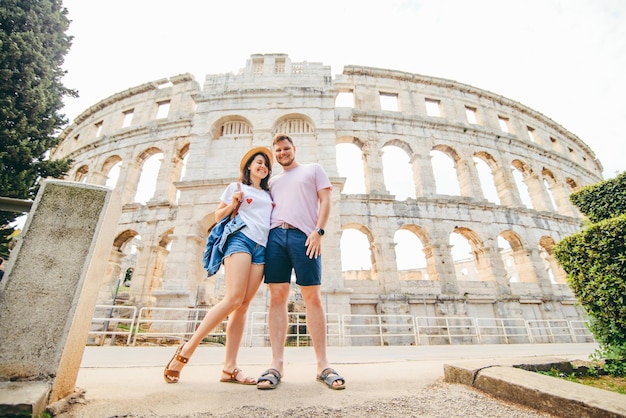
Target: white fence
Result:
[346, 330]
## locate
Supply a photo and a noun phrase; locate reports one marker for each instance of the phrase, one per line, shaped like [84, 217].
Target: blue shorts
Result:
[286, 251]
[240, 243]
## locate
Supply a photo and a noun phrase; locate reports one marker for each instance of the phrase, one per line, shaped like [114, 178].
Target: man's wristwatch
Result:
[320, 231]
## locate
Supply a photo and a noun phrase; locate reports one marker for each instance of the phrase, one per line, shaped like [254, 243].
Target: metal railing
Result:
[384, 328]
[111, 320]
[297, 331]
[178, 323]
[548, 330]
[580, 331]
[509, 330]
[344, 330]
[451, 329]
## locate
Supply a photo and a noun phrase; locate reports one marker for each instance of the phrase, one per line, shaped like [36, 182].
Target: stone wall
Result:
[207, 129]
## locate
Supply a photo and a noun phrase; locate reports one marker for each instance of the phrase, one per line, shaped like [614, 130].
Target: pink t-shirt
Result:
[294, 193]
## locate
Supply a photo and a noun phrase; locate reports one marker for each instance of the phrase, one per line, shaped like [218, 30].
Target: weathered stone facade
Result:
[202, 133]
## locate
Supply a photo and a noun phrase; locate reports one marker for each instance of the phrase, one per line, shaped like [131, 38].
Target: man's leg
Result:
[316, 325]
[277, 321]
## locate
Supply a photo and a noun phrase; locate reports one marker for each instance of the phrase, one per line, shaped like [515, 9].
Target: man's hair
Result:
[281, 137]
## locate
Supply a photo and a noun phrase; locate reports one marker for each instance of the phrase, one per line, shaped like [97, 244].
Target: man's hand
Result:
[313, 245]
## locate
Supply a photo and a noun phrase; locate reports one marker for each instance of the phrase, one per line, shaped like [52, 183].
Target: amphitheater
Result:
[473, 170]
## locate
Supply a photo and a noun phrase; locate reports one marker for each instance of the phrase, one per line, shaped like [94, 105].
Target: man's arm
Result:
[314, 240]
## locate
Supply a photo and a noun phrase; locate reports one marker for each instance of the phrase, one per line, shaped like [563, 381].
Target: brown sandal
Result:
[233, 378]
[172, 376]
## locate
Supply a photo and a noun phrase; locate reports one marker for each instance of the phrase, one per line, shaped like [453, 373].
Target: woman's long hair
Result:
[245, 176]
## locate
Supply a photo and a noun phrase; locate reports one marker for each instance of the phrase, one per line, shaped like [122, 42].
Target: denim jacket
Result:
[214, 251]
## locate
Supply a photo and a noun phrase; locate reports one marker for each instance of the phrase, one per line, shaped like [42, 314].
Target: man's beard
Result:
[286, 163]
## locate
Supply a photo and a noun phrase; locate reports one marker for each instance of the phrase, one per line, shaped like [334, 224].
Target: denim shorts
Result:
[286, 251]
[240, 243]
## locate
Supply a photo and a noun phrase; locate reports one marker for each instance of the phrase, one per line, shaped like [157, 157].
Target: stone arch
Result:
[122, 238]
[361, 273]
[398, 177]
[552, 267]
[430, 270]
[147, 153]
[550, 184]
[149, 168]
[520, 268]
[121, 259]
[81, 172]
[294, 123]
[111, 169]
[165, 239]
[231, 127]
[184, 150]
[347, 150]
[446, 181]
[480, 255]
[522, 183]
[449, 151]
[489, 185]
[110, 162]
[571, 183]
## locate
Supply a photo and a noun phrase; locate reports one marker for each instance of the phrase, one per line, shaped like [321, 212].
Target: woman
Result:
[244, 259]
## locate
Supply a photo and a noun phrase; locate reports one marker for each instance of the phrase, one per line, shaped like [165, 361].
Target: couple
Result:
[284, 228]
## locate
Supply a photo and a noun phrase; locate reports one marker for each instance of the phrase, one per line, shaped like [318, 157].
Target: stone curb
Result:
[511, 381]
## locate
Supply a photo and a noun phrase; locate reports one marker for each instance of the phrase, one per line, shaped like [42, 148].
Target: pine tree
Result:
[33, 44]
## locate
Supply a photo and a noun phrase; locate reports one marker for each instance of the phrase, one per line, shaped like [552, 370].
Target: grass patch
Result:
[589, 374]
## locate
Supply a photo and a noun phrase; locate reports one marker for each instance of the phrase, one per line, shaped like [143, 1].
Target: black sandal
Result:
[270, 375]
[330, 376]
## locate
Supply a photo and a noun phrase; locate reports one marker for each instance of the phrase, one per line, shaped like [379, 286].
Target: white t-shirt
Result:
[255, 211]
[295, 196]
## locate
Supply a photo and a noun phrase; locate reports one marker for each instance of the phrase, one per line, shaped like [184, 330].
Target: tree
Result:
[595, 261]
[33, 44]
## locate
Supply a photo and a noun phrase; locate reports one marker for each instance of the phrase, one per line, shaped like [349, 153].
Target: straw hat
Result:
[253, 151]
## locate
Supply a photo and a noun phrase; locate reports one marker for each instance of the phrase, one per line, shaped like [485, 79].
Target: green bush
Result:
[595, 262]
[603, 200]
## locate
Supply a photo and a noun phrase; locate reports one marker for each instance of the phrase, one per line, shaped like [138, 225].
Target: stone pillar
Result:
[373, 169]
[506, 188]
[539, 266]
[525, 269]
[184, 271]
[445, 268]
[423, 175]
[495, 270]
[469, 181]
[169, 173]
[51, 286]
[538, 193]
[386, 262]
[111, 276]
[98, 178]
[331, 259]
[561, 197]
[129, 177]
[148, 278]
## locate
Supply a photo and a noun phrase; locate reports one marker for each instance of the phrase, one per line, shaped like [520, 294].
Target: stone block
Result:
[52, 283]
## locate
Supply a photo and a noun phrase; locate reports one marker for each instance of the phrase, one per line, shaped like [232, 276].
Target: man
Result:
[301, 195]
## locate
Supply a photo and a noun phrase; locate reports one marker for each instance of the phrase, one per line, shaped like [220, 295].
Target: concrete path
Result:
[127, 381]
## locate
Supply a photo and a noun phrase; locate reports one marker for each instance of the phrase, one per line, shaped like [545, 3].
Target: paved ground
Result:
[381, 381]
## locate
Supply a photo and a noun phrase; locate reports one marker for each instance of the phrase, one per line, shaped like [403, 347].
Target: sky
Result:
[563, 58]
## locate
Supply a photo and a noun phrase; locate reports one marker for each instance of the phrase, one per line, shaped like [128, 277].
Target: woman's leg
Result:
[236, 267]
[237, 319]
